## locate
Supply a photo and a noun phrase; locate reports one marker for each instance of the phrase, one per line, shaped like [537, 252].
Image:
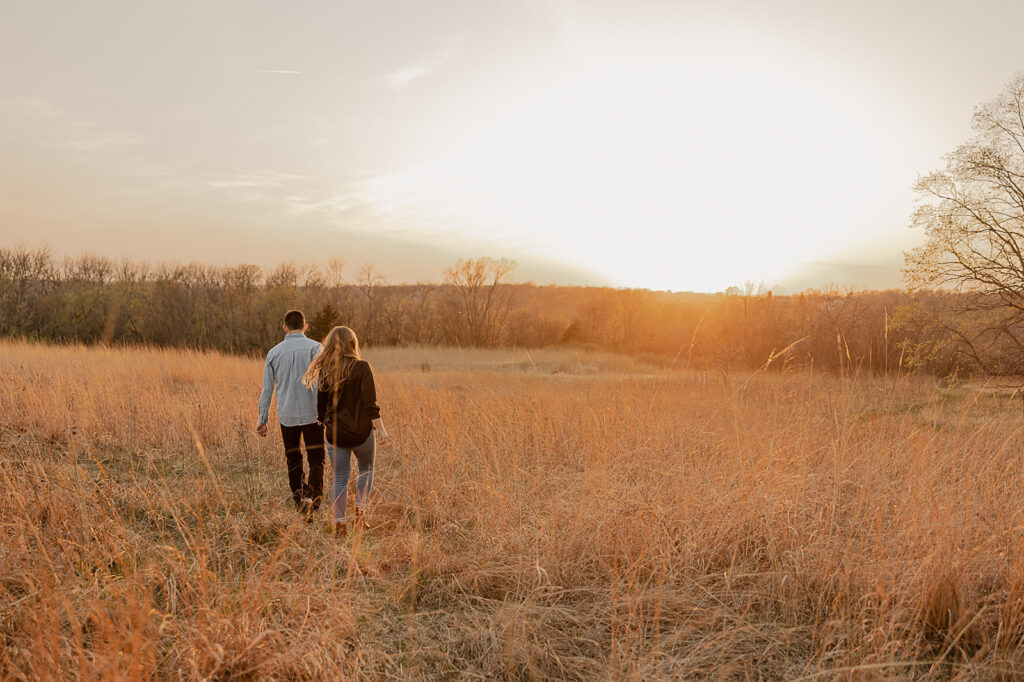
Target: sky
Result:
[686, 146]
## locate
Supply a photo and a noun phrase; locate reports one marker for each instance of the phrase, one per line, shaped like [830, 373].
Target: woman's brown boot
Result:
[340, 529]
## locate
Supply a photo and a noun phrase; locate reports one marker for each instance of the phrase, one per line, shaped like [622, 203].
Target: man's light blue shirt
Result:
[286, 363]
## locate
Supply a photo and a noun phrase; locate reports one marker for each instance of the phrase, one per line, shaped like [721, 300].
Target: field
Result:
[547, 515]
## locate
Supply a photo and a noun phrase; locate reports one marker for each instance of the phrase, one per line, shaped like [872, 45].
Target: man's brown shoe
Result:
[340, 529]
[306, 509]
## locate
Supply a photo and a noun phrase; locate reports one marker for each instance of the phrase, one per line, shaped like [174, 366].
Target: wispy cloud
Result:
[254, 180]
[299, 204]
[401, 78]
[407, 74]
[30, 106]
[48, 124]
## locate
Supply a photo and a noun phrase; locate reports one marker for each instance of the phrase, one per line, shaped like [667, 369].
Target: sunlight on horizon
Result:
[654, 144]
[658, 163]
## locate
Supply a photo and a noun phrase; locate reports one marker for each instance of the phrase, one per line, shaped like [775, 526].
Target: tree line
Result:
[962, 313]
[238, 309]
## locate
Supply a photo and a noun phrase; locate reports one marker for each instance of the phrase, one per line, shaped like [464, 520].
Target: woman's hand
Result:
[382, 433]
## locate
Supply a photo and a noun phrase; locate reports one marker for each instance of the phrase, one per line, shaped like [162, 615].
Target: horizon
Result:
[661, 146]
[349, 275]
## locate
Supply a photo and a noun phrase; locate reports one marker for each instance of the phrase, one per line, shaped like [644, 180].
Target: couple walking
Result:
[320, 388]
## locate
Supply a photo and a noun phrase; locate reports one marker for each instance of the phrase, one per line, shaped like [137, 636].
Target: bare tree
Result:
[312, 277]
[26, 277]
[483, 299]
[284, 275]
[370, 281]
[972, 213]
[335, 267]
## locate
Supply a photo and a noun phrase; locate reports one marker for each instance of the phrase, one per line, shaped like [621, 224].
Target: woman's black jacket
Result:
[347, 412]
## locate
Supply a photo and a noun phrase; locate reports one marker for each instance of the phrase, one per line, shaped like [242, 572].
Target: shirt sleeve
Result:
[268, 390]
[368, 394]
[322, 400]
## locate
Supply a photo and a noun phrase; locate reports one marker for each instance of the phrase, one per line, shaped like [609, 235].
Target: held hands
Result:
[261, 430]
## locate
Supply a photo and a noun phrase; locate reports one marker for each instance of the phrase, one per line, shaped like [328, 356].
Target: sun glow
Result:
[666, 163]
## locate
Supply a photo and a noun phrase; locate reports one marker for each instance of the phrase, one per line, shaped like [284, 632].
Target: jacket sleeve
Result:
[268, 390]
[323, 399]
[368, 394]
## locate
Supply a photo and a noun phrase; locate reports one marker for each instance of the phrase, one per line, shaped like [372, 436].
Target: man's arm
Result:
[265, 395]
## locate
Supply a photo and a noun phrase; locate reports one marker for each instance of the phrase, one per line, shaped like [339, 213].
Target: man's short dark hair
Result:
[294, 320]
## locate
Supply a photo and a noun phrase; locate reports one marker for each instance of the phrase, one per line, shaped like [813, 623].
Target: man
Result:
[296, 410]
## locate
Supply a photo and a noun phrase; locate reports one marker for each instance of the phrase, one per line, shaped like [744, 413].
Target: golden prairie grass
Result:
[542, 515]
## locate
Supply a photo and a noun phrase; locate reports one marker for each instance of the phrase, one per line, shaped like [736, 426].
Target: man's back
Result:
[286, 363]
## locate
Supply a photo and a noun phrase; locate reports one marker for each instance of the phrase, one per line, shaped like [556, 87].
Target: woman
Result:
[347, 407]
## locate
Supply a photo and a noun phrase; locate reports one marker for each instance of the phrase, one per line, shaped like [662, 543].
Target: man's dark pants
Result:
[313, 437]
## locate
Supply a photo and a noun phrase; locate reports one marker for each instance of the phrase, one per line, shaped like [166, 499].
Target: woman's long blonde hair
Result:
[333, 365]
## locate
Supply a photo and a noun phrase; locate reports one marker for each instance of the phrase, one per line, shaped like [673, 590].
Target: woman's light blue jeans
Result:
[341, 463]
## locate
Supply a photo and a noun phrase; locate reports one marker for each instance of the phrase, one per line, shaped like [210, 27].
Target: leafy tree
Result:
[323, 321]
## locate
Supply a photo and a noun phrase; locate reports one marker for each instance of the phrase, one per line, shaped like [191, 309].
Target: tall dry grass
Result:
[542, 516]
